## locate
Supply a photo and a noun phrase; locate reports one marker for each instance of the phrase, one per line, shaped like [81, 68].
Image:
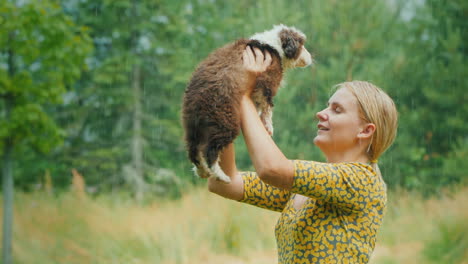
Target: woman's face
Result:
[339, 124]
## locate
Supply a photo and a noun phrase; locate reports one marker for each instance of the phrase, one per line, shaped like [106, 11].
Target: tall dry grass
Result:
[415, 229]
[199, 228]
[204, 228]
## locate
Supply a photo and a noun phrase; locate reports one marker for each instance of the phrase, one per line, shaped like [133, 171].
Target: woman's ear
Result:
[367, 131]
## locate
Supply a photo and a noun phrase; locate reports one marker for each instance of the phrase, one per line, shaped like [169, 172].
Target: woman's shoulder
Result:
[349, 184]
[357, 172]
[363, 171]
[360, 167]
[346, 167]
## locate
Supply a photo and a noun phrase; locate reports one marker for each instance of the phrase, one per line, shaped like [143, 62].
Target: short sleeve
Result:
[349, 185]
[263, 195]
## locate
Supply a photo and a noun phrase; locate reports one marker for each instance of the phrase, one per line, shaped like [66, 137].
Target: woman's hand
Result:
[255, 63]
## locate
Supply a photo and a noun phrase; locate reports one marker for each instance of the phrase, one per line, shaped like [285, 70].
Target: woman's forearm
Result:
[235, 189]
[269, 162]
[227, 160]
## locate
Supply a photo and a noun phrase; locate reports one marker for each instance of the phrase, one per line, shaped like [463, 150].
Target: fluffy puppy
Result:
[211, 104]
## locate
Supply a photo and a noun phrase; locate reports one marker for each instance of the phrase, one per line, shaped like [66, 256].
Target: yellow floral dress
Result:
[339, 221]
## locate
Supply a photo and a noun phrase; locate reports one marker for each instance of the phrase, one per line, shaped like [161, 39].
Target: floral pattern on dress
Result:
[339, 221]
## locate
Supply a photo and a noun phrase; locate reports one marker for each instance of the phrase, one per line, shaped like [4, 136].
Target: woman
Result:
[330, 212]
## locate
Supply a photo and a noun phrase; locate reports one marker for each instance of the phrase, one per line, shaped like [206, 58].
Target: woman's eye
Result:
[337, 109]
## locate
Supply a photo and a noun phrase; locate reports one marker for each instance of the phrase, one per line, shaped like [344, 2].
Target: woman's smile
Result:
[322, 128]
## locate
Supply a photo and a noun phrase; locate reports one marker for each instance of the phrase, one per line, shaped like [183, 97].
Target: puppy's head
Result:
[289, 42]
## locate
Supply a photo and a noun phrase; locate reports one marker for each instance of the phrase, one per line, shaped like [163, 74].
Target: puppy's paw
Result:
[223, 178]
[269, 128]
[219, 174]
[199, 172]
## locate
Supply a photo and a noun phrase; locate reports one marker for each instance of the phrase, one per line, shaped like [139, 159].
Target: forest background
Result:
[93, 88]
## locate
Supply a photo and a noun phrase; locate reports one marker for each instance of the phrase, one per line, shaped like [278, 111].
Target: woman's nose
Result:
[322, 116]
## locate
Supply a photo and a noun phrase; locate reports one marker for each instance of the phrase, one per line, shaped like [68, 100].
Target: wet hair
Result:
[375, 106]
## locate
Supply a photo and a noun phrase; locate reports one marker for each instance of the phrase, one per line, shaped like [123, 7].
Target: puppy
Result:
[211, 103]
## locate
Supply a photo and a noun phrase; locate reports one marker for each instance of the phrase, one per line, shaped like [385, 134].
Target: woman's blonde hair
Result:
[376, 107]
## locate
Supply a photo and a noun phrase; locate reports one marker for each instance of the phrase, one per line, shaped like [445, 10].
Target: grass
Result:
[418, 230]
[203, 228]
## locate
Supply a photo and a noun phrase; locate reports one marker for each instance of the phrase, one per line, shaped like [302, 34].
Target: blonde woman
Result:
[330, 212]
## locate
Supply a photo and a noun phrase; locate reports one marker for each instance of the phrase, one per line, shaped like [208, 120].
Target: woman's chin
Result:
[321, 142]
[318, 141]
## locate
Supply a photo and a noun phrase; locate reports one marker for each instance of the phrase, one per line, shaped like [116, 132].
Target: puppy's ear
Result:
[291, 42]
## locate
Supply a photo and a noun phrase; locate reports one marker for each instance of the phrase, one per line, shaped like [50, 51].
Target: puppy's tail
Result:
[201, 168]
[193, 138]
[196, 157]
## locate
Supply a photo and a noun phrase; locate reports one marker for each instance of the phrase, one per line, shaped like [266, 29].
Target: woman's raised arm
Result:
[270, 163]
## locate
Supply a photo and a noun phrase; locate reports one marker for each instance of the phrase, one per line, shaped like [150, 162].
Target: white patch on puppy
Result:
[219, 174]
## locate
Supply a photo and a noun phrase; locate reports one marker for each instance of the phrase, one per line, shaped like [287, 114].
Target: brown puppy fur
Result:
[211, 102]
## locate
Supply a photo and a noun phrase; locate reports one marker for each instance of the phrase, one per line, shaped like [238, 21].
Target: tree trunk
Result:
[7, 169]
[137, 140]
[137, 137]
[7, 202]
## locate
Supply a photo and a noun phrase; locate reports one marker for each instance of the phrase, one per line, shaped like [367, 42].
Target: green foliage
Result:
[126, 35]
[414, 51]
[455, 165]
[41, 52]
[430, 77]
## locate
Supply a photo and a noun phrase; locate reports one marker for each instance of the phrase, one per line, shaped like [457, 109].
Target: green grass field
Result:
[204, 228]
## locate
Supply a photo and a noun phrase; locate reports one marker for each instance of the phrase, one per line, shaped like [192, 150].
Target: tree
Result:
[430, 74]
[123, 100]
[123, 116]
[41, 52]
[150, 47]
[121, 119]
